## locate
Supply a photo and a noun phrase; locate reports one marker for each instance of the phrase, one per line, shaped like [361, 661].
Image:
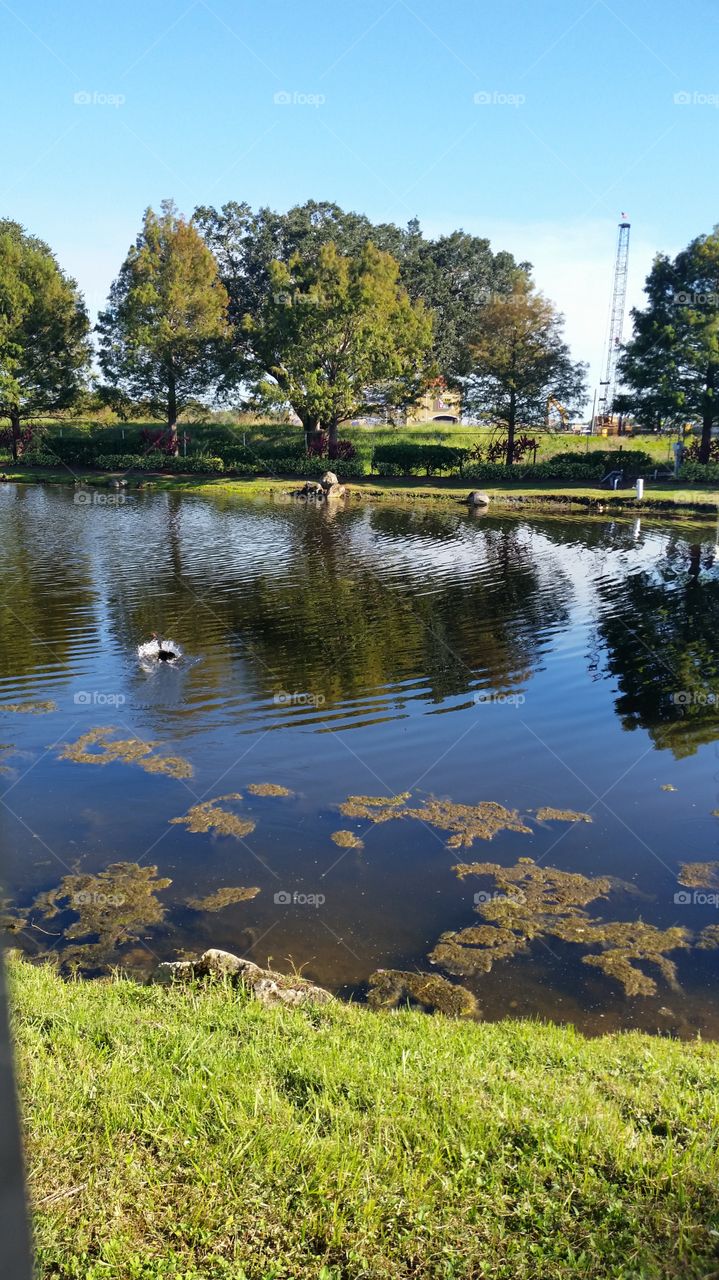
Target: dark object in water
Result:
[163, 655]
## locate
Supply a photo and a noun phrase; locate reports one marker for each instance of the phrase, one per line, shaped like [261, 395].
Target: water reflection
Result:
[479, 674]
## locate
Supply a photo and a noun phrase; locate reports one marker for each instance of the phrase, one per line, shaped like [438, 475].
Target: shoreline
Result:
[697, 505]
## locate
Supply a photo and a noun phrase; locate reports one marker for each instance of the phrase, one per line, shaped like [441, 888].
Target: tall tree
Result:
[454, 275]
[164, 337]
[337, 335]
[44, 327]
[671, 365]
[519, 359]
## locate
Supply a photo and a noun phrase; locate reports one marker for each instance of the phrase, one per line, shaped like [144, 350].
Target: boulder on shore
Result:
[262, 984]
[329, 479]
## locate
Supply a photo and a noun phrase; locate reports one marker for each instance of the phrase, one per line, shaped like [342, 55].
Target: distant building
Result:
[438, 404]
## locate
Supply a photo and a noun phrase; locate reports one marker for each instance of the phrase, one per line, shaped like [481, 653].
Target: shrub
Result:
[691, 451]
[341, 451]
[632, 460]
[406, 459]
[589, 473]
[700, 472]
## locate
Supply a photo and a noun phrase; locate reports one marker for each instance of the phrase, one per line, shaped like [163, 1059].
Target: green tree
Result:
[337, 335]
[519, 359]
[454, 275]
[44, 345]
[164, 337]
[671, 365]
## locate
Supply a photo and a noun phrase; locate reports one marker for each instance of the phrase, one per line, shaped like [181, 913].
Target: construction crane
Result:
[616, 323]
[554, 405]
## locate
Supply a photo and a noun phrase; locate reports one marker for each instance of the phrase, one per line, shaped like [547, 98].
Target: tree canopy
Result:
[520, 359]
[337, 334]
[44, 346]
[164, 337]
[454, 275]
[671, 365]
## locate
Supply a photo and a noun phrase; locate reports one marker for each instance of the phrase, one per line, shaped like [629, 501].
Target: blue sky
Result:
[108, 108]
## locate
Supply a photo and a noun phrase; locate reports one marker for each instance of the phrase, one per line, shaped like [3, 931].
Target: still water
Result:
[373, 651]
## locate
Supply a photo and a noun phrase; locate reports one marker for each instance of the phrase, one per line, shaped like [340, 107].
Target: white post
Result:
[640, 489]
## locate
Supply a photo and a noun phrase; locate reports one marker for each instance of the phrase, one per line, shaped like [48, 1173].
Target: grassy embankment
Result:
[198, 1136]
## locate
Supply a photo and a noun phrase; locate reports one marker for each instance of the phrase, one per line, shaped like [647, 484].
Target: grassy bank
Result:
[198, 1136]
[664, 499]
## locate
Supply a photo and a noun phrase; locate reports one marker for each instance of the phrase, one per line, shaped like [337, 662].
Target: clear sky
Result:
[534, 122]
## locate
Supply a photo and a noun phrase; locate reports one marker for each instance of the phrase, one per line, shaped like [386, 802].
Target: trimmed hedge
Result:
[551, 470]
[611, 459]
[406, 459]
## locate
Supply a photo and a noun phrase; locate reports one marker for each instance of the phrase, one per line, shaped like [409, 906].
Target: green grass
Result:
[195, 1135]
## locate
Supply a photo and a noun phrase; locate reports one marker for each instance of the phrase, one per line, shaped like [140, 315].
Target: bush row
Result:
[497, 473]
[700, 472]
[407, 459]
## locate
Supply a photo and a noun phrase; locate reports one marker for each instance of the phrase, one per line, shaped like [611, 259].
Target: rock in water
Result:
[477, 499]
[329, 479]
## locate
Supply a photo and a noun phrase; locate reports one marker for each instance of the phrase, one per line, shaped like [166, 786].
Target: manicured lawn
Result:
[195, 1135]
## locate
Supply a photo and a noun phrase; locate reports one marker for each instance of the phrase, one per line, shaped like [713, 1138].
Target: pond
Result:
[487, 688]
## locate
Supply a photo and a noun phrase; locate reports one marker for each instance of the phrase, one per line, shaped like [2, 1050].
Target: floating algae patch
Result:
[627, 943]
[268, 789]
[375, 808]
[347, 840]
[392, 987]
[112, 908]
[98, 747]
[468, 952]
[30, 708]
[210, 816]
[699, 875]
[548, 814]
[222, 898]
[709, 938]
[533, 902]
[667, 786]
[529, 902]
[468, 822]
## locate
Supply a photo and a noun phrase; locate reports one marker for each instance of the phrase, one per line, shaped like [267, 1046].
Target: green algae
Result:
[347, 840]
[268, 789]
[98, 747]
[532, 901]
[208, 815]
[222, 898]
[393, 987]
[709, 938]
[468, 822]
[374, 808]
[699, 875]
[548, 814]
[113, 908]
[31, 708]
[667, 786]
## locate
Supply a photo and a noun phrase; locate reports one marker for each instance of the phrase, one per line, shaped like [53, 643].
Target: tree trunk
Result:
[15, 428]
[511, 424]
[709, 409]
[172, 415]
[332, 432]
